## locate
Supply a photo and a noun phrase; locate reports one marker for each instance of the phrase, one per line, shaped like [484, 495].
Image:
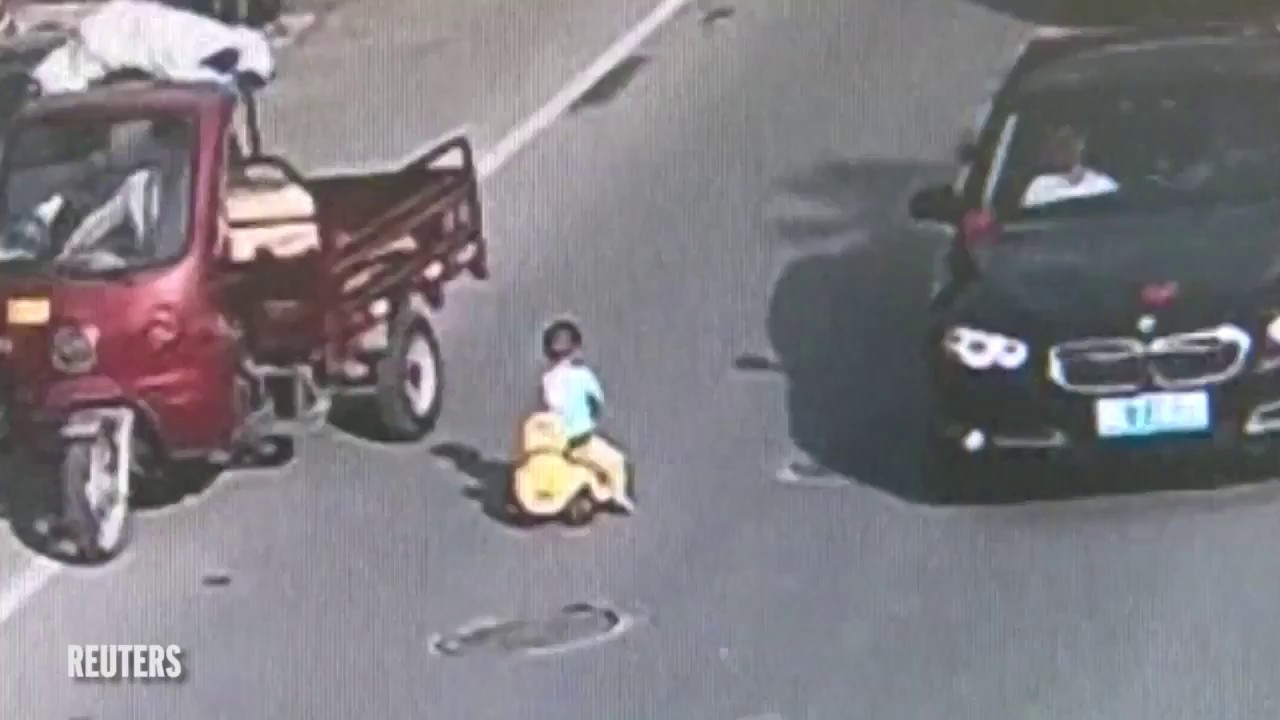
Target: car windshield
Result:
[95, 197]
[1140, 148]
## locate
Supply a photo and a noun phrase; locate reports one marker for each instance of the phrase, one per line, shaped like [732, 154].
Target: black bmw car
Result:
[1112, 282]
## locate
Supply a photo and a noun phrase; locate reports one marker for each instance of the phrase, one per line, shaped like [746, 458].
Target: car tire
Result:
[410, 385]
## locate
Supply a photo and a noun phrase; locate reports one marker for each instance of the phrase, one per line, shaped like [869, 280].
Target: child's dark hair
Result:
[554, 332]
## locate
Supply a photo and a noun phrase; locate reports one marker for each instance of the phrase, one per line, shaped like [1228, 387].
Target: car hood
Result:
[1089, 277]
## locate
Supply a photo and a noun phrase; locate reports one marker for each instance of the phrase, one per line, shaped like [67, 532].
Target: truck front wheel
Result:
[95, 475]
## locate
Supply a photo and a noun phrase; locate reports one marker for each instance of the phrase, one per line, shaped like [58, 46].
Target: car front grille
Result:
[1098, 366]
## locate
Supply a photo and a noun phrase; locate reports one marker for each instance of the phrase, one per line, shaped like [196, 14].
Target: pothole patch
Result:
[611, 85]
[216, 579]
[709, 16]
[572, 627]
[802, 471]
[757, 364]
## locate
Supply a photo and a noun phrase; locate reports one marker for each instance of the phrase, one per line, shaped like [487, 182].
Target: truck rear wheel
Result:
[410, 379]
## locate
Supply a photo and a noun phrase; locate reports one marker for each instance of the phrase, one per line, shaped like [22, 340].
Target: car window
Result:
[1165, 146]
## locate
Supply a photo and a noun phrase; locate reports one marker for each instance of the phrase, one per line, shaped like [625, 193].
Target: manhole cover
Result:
[571, 627]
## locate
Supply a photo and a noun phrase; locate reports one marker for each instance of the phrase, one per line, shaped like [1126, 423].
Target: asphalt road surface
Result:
[727, 225]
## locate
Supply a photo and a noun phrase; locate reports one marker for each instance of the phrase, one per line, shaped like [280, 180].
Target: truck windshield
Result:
[95, 197]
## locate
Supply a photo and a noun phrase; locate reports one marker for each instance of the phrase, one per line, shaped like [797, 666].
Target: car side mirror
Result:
[936, 204]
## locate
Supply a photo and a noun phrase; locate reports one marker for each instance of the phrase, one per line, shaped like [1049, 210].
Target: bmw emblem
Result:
[1147, 324]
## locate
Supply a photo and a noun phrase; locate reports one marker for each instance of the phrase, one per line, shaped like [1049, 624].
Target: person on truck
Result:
[157, 41]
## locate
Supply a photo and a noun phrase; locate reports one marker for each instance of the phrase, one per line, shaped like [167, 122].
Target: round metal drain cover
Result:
[571, 626]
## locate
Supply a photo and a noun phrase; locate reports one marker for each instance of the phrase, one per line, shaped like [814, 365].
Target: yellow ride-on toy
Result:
[552, 480]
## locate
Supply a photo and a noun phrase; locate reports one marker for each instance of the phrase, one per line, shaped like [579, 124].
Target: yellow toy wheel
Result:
[580, 510]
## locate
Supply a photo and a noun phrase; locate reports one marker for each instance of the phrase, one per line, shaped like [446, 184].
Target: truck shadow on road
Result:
[1087, 13]
[26, 503]
[30, 501]
[359, 420]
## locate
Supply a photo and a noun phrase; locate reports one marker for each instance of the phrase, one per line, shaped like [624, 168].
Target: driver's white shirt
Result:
[135, 202]
[1055, 187]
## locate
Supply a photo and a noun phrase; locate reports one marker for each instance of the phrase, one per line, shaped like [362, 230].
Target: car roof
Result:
[1178, 56]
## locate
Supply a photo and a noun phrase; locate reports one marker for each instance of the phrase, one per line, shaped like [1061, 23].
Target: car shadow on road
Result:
[847, 321]
[1094, 13]
[490, 478]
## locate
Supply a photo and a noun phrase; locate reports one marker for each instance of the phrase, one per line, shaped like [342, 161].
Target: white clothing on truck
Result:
[161, 41]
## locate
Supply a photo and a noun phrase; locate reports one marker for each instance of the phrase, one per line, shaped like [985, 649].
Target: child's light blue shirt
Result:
[570, 390]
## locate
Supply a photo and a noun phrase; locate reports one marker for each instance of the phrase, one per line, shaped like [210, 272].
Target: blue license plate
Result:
[1162, 413]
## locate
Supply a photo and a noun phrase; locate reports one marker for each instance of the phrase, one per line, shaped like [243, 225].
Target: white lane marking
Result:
[17, 590]
[625, 46]
[22, 587]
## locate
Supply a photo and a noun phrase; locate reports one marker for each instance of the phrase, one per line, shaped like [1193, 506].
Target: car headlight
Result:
[983, 350]
[1273, 330]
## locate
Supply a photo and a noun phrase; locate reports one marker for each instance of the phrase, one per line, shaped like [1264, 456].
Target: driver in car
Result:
[1070, 179]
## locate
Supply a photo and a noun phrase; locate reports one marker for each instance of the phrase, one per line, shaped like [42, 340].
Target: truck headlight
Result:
[74, 349]
[983, 350]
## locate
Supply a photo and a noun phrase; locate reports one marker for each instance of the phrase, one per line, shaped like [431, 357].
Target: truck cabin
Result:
[69, 155]
[103, 181]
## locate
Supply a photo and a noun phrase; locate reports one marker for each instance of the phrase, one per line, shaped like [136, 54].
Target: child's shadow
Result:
[492, 477]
